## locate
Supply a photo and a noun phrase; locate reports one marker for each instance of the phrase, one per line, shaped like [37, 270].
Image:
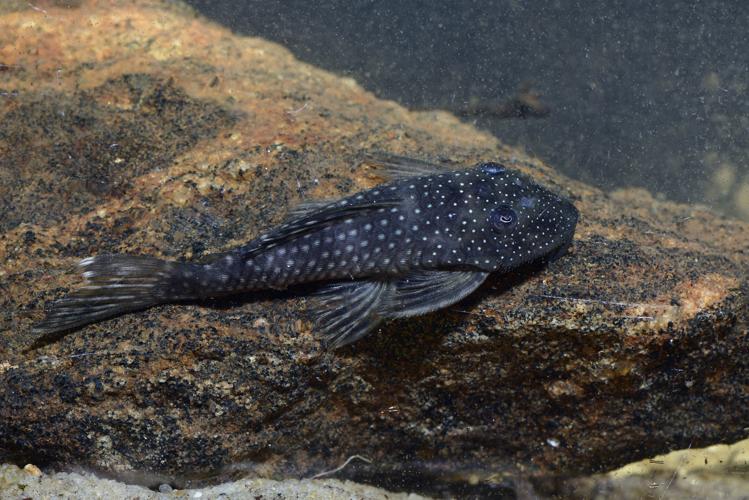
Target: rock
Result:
[17, 483]
[666, 486]
[712, 472]
[130, 126]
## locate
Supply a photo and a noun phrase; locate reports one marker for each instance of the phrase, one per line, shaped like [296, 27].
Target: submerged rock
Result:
[133, 127]
[31, 483]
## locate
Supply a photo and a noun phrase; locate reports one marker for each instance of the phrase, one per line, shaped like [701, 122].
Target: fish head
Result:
[522, 221]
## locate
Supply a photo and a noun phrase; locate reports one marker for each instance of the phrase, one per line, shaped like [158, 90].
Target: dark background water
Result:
[642, 93]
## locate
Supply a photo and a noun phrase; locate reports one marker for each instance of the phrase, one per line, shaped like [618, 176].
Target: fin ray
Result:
[314, 221]
[307, 207]
[350, 310]
[426, 291]
[399, 167]
[115, 284]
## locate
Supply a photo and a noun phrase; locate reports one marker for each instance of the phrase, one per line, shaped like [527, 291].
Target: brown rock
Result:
[147, 130]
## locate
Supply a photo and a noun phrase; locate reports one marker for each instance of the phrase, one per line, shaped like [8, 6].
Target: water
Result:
[649, 94]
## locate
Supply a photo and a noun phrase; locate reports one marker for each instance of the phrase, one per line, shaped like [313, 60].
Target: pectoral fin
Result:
[427, 291]
[350, 310]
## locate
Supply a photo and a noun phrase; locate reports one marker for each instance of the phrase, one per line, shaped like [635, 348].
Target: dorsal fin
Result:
[314, 220]
[393, 166]
[307, 207]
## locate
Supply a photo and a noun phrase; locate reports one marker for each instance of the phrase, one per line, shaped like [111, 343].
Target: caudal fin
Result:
[115, 284]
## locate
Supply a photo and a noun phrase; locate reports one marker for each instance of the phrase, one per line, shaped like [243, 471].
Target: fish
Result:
[424, 239]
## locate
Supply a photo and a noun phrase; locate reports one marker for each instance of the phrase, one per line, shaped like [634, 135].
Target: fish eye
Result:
[503, 217]
[492, 168]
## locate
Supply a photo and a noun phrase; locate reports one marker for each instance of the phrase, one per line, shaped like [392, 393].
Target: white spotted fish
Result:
[421, 242]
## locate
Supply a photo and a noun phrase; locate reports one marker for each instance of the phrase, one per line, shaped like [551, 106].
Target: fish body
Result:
[418, 243]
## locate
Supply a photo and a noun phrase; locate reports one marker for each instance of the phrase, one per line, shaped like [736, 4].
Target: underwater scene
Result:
[374, 249]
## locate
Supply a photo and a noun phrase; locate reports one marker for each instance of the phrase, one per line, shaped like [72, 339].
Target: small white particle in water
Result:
[554, 443]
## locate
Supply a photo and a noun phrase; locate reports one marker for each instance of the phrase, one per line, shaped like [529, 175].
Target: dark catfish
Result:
[421, 242]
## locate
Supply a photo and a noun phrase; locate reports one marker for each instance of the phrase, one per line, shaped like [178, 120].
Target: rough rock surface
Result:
[128, 126]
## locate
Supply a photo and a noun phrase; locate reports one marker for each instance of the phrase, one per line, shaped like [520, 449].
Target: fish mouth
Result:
[559, 252]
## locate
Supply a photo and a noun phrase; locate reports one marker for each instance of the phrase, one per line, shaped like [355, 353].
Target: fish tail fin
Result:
[116, 284]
